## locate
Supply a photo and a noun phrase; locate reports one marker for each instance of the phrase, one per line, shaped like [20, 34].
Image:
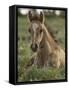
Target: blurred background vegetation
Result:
[55, 20]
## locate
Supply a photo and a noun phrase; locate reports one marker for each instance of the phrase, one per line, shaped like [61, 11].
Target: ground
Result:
[57, 24]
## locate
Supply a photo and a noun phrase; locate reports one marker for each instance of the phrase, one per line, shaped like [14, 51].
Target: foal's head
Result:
[35, 29]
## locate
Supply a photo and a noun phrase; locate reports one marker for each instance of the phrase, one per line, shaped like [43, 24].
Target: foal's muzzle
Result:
[34, 47]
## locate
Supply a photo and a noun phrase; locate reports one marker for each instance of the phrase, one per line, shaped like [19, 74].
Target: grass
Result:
[57, 24]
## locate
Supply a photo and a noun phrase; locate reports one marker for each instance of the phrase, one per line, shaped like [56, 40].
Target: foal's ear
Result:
[42, 17]
[30, 16]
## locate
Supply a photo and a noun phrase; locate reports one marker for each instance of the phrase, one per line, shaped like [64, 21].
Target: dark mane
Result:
[36, 17]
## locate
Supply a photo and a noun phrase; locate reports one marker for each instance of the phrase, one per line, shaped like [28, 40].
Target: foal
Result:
[47, 51]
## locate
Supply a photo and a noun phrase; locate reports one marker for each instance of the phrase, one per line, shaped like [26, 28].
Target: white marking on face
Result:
[34, 26]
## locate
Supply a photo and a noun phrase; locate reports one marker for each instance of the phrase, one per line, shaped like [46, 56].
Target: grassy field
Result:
[57, 24]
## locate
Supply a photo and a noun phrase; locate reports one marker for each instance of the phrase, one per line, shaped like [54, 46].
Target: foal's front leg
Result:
[33, 59]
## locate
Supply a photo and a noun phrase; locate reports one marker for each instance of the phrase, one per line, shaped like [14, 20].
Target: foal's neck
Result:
[48, 41]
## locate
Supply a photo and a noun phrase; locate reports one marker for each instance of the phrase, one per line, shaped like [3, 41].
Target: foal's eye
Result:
[29, 30]
[40, 30]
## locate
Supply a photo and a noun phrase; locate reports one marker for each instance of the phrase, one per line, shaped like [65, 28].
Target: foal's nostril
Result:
[34, 47]
[31, 46]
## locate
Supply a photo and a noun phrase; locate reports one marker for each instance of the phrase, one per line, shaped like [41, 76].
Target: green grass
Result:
[57, 24]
